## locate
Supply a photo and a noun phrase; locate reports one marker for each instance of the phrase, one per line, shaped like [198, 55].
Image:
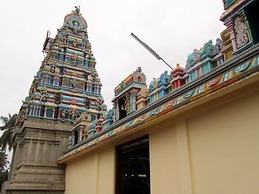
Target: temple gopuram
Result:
[66, 91]
[191, 130]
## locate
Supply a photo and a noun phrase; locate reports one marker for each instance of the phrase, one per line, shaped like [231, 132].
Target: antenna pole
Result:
[150, 50]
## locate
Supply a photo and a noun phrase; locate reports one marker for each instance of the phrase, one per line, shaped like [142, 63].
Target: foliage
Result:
[3, 160]
[3, 178]
[9, 123]
[5, 141]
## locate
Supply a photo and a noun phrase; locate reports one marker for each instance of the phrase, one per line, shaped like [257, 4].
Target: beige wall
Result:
[91, 174]
[163, 161]
[224, 148]
[213, 151]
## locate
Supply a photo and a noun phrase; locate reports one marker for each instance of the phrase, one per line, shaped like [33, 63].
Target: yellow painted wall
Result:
[81, 175]
[91, 174]
[224, 148]
[163, 160]
[106, 171]
[213, 151]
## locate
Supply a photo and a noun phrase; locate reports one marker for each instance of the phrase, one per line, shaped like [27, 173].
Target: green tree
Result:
[5, 139]
[9, 123]
[4, 177]
[3, 160]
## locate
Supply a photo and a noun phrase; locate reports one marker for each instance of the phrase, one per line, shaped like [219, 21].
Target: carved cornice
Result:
[233, 70]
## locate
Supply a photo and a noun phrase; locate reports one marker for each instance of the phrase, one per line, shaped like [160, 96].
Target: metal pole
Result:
[150, 49]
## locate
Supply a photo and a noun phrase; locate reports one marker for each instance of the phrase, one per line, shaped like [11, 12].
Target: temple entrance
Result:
[132, 169]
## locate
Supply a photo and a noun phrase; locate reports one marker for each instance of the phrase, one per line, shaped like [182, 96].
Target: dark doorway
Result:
[75, 137]
[122, 108]
[42, 111]
[252, 14]
[132, 167]
[56, 113]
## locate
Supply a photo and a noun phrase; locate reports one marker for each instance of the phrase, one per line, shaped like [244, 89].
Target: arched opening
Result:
[42, 111]
[75, 137]
[139, 79]
[87, 103]
[56, 113]
[122, 107]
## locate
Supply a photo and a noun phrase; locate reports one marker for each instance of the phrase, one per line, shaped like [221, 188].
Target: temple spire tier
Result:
[65, 91]
[67, 84]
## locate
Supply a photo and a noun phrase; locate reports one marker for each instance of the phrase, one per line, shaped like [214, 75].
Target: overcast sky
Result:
[172, 28]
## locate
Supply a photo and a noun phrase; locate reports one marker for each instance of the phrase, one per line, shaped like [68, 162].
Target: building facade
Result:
[191, 130]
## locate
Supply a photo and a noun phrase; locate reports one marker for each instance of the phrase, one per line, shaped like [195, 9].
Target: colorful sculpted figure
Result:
[84, 116]
[218, 45]
[110, 113]
[164, 78]
[77, 10]
[208, 49]
[202, 61]
[241, 32]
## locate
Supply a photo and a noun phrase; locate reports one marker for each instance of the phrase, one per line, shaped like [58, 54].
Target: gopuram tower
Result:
[65, 91]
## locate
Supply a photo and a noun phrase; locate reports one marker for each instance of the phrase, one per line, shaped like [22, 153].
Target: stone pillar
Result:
[227, 49]
[133, 100]
[38, 145]
[59, 113]
[53, 113]
[230, 26]
[142, 98]
[37, 111]
[45, 112]
[31, 110]
[116, 111]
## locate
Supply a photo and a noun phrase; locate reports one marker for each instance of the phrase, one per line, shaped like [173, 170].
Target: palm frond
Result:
[5, 140]
[9, 123]
[4, 163]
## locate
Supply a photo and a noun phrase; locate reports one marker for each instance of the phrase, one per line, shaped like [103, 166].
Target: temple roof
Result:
[75, 20]
[239, 69]
[136, 79]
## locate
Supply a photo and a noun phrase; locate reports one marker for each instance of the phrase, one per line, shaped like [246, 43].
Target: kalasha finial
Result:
[139, 69]
[77, 10]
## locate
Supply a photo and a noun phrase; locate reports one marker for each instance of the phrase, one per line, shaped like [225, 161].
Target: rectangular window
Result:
[132, 167]
[151, 98]
[193, 75]
[49, 113]
[160, 94]
[206, 68]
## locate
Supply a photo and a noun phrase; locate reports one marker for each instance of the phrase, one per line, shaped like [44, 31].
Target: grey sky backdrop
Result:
[172, 28]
